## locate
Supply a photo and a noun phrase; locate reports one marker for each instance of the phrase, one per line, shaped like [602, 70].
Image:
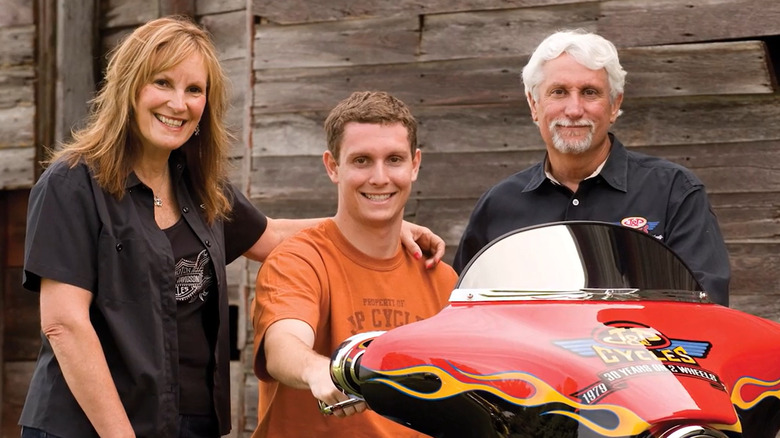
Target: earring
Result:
[197, 129]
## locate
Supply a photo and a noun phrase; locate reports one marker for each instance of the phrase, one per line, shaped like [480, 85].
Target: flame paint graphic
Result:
[736, 394]
[628, 423]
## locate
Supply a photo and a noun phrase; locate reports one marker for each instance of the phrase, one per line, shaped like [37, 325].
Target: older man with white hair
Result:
[574, 86]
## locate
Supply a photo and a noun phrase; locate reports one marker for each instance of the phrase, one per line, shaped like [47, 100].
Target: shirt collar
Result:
[613, 170]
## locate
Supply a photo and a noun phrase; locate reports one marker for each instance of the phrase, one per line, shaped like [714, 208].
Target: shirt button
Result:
[208, 243]
[185, 210]
[119, 247]
[575, 202]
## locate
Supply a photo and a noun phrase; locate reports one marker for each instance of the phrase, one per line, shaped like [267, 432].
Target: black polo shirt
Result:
[659, 197]
[80, 235]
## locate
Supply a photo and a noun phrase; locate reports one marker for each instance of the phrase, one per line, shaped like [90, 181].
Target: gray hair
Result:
[591, 50]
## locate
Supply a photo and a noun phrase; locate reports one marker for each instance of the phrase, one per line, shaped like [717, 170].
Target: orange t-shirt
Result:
[318, 277]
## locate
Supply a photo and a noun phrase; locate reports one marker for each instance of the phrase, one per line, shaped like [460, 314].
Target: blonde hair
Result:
[109, 145]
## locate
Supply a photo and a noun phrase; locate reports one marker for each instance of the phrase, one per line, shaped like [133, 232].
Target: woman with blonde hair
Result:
[129, 232]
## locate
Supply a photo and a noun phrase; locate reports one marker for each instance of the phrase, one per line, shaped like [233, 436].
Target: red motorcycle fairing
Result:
[588, 350]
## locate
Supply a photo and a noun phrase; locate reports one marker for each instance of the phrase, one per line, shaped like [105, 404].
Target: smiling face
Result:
[374, 173]
[169, 108]
[574, 112]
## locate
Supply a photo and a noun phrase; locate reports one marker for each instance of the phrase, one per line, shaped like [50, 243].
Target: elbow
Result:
[58, 332]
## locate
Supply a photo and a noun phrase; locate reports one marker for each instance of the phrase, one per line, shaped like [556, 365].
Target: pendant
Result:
[157, 201]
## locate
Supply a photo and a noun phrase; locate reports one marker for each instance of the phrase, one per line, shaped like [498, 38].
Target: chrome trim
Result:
[692, 431]
[584, 294]
[343, 363]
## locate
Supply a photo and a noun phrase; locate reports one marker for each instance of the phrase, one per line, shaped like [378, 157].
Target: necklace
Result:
[158, 202]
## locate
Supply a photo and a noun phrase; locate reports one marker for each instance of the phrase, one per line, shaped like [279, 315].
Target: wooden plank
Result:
[288, 134]
[23, 324]
[15, 226]
[76, 37]
[765, 304]
[16, 166]
[697, 69]
[290, 177]
[625, 22]
[472, 81]
[46, 82]
[302, 11]
[17, 125]
[668, 121]
[123, 13]
[698, 120]
[177, 7]
[686, 70]
[517, 32]
[508, 127]
[16, 13]
[230, 32]
[755, 267]
[16, 89]
[18, 45]
[296, 208]
[16, 378]
[206, 7]
[353, 42]
[237, 71]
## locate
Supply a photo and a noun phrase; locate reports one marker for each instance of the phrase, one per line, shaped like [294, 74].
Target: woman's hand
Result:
[417, 239]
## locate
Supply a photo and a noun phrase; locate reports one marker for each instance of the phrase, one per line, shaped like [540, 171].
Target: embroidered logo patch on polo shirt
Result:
[639, 223]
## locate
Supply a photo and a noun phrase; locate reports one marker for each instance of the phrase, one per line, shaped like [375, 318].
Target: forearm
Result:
[84, 367]
[292, 362]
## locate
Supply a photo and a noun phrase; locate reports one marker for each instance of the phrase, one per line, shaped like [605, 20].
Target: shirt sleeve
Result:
[244, 226]
[63, 229]
[693, 233]
[288, 287]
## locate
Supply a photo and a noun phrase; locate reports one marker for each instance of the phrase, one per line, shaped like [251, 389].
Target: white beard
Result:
[569, 146]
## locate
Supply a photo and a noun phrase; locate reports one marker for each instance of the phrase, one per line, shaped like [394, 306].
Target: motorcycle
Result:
[575, 329]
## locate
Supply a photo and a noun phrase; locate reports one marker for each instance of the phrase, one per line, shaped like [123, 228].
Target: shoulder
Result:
[306, 246]
[661, 168]
[64, 182]
[61, 172]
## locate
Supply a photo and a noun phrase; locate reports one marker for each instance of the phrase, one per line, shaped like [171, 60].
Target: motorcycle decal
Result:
[620, 342]
[749, 391]
[522, 389]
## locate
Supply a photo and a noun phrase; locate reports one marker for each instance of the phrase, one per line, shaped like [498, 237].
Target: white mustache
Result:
[567, 123]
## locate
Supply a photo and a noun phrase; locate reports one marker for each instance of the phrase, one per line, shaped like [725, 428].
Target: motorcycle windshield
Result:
[577, 261]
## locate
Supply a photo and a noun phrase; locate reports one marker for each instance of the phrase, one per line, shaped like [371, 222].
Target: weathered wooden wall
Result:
[701, 91]
[17, 94]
